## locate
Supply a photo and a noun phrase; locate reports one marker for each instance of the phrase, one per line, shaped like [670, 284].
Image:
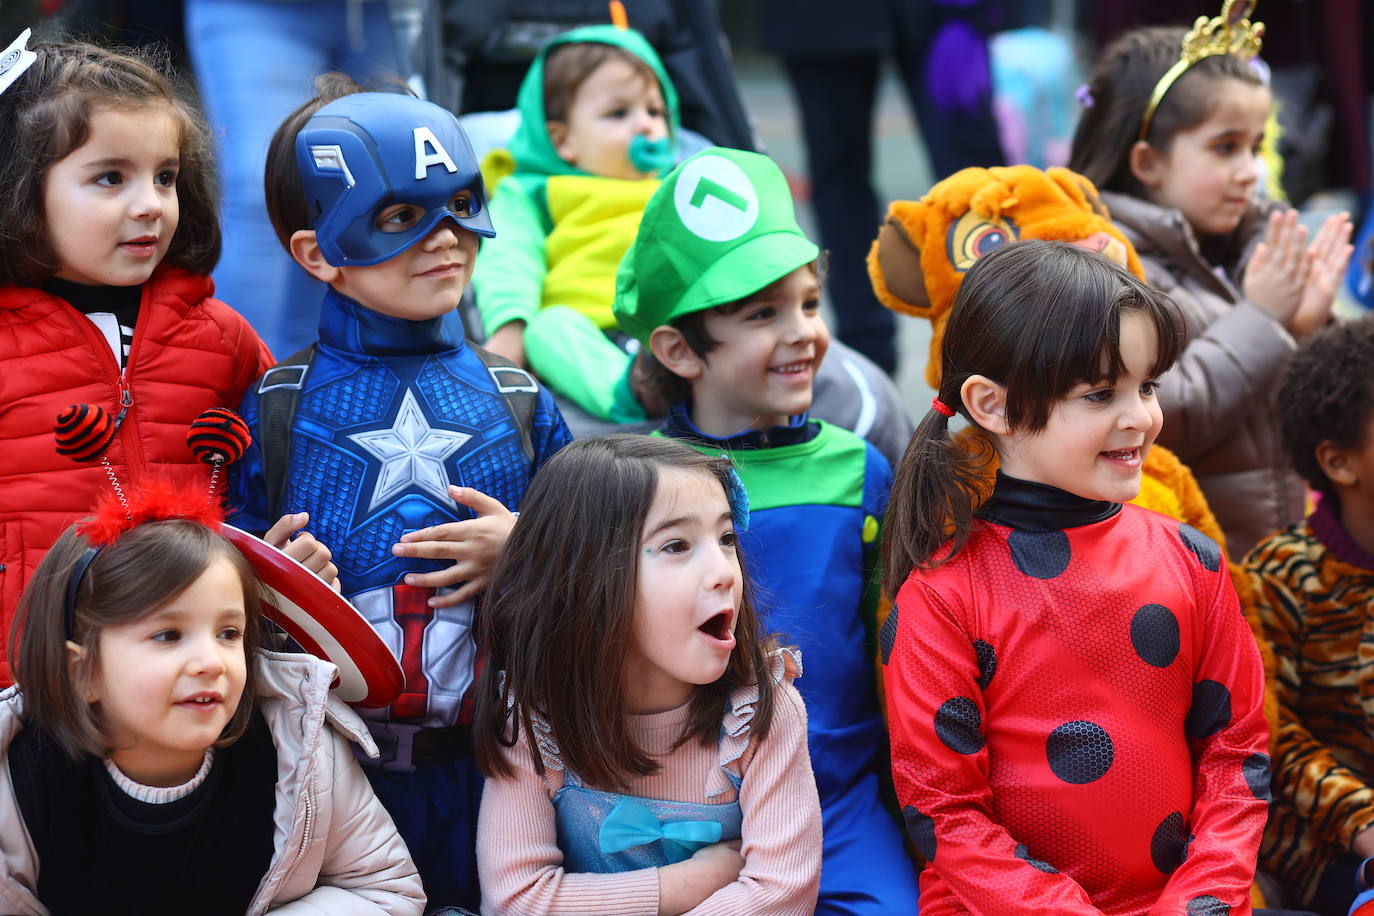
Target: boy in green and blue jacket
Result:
[720, 285]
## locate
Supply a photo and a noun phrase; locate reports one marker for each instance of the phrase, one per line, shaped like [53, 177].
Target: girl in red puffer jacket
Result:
[107, 235]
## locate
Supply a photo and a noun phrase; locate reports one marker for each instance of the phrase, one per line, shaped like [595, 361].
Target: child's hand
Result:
[684, 885]
[724, 859]
[1329, 255]
[1277, 274]
[509, 341]
[303, 548]
[473, 545]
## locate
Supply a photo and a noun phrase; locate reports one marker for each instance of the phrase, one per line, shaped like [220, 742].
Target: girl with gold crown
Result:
[1171, 135]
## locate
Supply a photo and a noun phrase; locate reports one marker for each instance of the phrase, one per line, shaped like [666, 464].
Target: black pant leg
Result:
[835, 95]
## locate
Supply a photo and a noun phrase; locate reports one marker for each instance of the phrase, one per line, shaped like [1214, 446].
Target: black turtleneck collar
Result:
[1031, 506]
[679, 425]
[87, 299]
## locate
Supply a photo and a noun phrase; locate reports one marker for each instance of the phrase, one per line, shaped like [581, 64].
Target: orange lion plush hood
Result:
[924, 247]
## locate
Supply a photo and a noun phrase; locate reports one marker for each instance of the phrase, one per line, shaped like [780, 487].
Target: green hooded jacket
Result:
[561, 232]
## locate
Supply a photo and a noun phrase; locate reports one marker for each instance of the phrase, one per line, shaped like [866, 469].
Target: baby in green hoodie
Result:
[599, 119]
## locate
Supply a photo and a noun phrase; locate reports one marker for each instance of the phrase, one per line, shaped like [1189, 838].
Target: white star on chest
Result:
[412, 453]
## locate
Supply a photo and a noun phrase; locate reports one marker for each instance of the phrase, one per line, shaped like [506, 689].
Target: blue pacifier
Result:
[652, 156]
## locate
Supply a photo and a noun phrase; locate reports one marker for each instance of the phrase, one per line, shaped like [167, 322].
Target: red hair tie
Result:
[941, 407]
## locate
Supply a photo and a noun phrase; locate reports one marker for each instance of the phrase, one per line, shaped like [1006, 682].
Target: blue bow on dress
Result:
[631, 824]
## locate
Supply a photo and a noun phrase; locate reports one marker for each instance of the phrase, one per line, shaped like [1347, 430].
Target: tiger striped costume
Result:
[1314, 589]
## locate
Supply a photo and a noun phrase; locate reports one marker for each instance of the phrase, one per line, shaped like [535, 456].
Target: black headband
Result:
[78, 573]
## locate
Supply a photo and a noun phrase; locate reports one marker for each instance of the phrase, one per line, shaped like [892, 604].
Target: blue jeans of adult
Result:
[256, 62]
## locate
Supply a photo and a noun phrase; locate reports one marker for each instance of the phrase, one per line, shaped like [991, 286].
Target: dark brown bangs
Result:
[1041, 317]
[1038, 318]
[1163, 318]
[144, 569]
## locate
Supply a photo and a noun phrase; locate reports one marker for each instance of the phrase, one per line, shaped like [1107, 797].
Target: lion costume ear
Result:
[894, 261]
[1078, 188]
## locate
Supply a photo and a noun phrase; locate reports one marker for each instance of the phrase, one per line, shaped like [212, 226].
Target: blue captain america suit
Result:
[390, 412]
[384, 415]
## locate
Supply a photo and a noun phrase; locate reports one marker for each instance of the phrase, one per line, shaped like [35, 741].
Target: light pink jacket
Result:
[337, 852]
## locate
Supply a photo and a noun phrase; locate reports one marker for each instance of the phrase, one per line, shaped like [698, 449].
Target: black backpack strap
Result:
[519, 389]
[279, 394]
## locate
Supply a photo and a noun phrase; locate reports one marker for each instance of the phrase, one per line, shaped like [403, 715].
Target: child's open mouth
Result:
[200, 701]
[717, 626]
[144, 246]
[1128, 456]
[797, 368]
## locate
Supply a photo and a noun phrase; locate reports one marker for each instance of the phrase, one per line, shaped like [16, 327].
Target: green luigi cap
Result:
[719, 228]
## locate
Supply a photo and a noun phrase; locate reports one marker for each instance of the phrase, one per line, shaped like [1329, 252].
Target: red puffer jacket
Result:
[190, 352]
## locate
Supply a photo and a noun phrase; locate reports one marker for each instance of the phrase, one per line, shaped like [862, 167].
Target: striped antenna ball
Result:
[83, 432]
[218, 435]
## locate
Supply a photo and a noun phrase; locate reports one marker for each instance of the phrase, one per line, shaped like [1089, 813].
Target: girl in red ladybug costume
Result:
[1074, 696]
[108, 231]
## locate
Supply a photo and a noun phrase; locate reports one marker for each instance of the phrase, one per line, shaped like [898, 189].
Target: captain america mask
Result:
[380, 170]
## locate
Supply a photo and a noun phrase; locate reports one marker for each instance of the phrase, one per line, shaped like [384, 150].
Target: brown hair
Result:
[140, 572]
[46, 115]
[1038, 318]
[1121, 86]
[664, 381]
[287, 207]
[567, 66]
[673, 387]
[1321, 400]
[561, 608]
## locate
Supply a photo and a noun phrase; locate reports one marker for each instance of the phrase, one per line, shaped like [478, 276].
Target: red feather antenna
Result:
[153, 500]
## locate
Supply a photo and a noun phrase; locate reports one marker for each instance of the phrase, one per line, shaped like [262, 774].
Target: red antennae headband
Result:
[311, 612]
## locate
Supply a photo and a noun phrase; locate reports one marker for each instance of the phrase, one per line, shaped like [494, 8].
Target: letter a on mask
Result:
[428, 151]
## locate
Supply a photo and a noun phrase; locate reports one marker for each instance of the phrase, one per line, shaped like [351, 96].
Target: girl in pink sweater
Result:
[644, 746]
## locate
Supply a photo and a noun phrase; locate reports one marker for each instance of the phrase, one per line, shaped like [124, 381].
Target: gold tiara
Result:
[1230, 33]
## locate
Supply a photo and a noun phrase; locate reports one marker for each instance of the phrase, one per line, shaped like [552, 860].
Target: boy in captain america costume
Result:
[403, 442]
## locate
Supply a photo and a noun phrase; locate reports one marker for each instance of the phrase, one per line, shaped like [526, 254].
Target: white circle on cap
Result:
[715, 199]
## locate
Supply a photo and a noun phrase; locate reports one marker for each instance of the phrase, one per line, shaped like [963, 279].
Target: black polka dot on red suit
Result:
[1256, 770]
[1207, 905]
[1200, 544]
[987, 662]
[1040, 554]
[921, 829]
[1080, 752]
[1210, 712]
[1154, 635]
[1169, 845]
[1023, 853]
[887, 636]
[958, 725]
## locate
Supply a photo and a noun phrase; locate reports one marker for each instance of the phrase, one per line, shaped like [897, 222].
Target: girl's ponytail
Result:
[938, 484]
